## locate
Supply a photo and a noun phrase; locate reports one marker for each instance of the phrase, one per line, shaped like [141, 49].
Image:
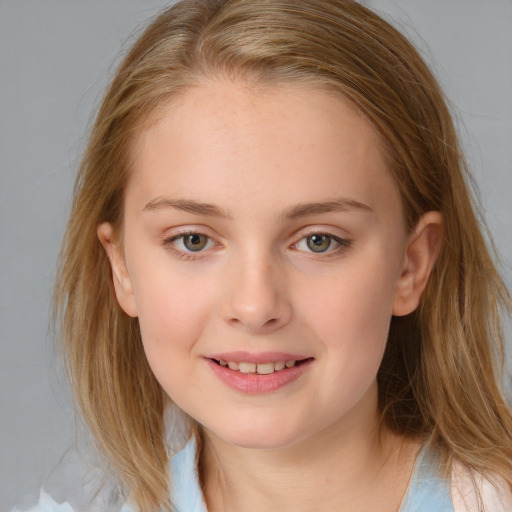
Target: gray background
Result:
[55, 58]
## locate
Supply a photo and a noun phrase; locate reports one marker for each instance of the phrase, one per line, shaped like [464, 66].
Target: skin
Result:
[257, 286]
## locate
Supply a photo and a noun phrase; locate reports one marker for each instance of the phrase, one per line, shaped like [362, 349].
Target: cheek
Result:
[352, 310]
[172, 319]
[172, 313]
[354, 304]
[351, 316]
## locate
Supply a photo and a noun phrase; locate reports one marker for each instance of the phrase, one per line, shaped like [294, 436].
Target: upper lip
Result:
[260, 357]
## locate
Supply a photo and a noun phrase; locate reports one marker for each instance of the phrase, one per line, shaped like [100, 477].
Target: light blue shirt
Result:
[428, 491]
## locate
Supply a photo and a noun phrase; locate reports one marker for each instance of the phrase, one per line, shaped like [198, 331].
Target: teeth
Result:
[260, 368]
[247, 367]
[265, 368]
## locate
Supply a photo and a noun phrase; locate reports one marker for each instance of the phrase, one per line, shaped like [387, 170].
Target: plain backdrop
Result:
[55, 59]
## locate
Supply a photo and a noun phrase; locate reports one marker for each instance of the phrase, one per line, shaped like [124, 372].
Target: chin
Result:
[259, 437]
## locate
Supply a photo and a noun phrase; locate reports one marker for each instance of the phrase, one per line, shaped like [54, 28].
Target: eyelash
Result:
[343, 244]
[169, 243]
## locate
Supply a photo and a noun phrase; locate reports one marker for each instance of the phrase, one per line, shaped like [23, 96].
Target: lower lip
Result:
[256, 384]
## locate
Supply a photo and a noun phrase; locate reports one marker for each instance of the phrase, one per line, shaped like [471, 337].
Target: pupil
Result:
[319, 243]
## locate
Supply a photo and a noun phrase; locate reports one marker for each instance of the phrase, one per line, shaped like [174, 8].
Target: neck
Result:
[344, 467]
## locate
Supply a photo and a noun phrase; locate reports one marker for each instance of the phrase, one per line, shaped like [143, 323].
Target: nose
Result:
[256, 300]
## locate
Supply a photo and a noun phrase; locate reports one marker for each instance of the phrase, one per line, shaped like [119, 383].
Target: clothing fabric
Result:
[186, 493]
[428, 490]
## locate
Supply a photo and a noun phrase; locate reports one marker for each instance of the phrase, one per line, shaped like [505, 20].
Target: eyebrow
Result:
[188, 206]
[294, 212]
[336, 205]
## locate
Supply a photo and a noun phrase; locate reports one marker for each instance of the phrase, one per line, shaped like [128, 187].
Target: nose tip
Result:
[258, 301]
[257, 321]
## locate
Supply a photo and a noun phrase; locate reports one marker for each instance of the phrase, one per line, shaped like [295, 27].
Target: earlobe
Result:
[121, 278]
[421, 254]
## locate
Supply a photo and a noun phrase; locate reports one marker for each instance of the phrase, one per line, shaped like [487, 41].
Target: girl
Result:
[272, 233]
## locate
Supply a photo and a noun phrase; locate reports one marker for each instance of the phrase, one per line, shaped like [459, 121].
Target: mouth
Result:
[263, 368]
[255, 374]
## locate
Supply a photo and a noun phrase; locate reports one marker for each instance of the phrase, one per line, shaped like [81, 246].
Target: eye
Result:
[190, 242]
[195, 241]
[319, 243]
[322, 243]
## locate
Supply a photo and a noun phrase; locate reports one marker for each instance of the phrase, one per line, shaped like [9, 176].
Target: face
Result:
[264, 252]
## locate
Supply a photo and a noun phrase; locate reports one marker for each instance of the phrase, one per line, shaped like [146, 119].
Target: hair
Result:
[440, 375]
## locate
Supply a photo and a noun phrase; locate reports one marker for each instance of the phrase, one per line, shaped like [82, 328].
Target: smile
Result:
[257, 368]
[261, 375]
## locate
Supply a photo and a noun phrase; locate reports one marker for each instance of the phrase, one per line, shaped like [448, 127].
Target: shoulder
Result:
[78, 481]
[47, 504]
[471, 491]
[463, 491]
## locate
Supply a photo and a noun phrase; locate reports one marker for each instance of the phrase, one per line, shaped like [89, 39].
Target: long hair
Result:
[440, 372]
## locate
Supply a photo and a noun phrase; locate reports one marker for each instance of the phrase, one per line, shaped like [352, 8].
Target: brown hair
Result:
[439, 375]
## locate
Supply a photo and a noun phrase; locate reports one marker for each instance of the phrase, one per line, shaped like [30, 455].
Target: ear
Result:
[122, 281]
[421, 254]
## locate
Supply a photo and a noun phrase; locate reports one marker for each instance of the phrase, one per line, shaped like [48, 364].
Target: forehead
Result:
[222, 139]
